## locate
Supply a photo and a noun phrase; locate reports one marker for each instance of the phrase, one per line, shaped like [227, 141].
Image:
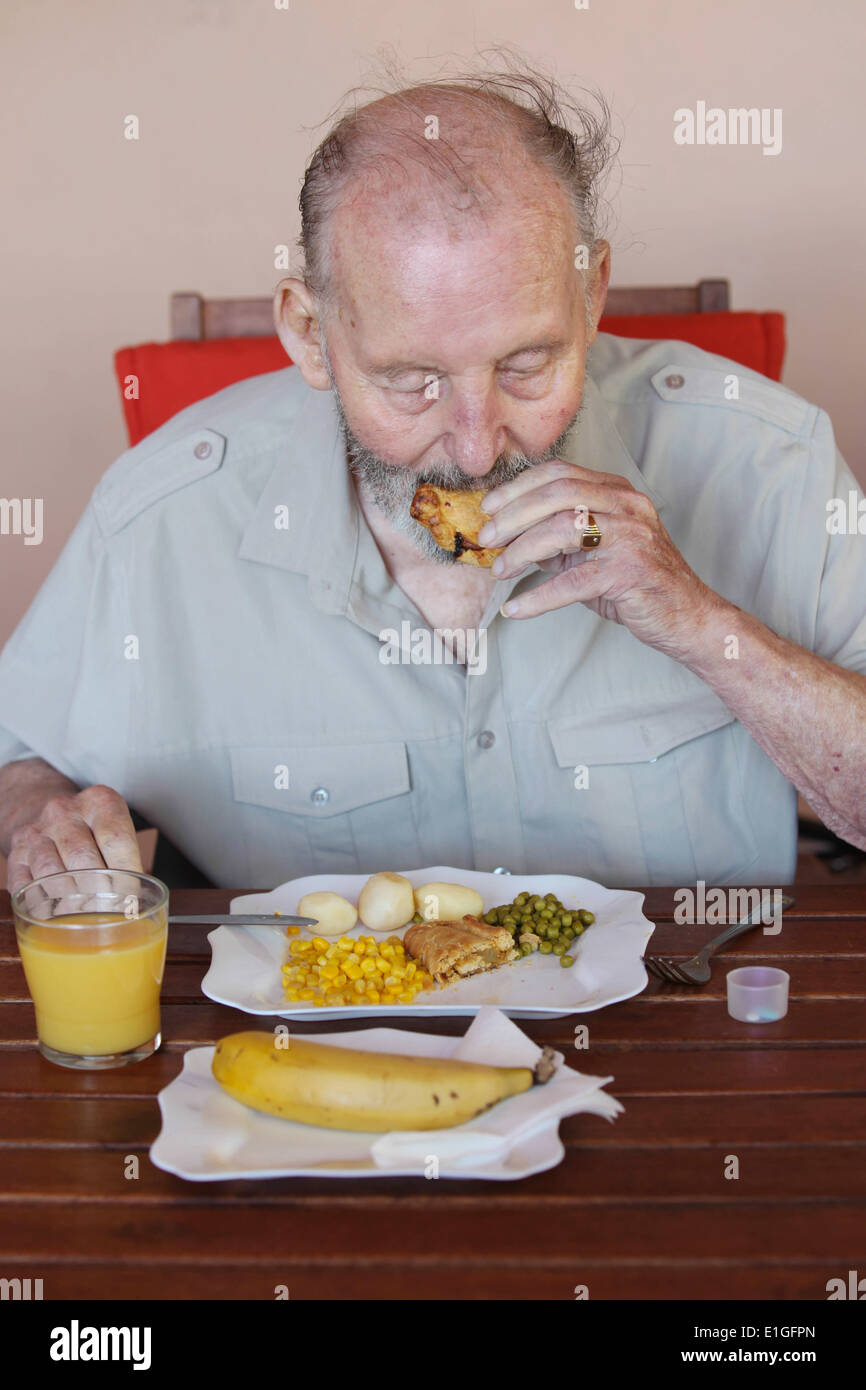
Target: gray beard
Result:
[391, 487]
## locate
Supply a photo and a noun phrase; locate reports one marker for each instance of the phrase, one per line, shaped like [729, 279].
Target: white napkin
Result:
[492, 1038]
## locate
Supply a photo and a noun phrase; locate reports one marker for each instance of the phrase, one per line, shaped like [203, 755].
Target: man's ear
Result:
[296, 320]
[599, 281]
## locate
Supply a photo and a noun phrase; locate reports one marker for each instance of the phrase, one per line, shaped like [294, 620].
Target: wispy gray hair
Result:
[514, 101]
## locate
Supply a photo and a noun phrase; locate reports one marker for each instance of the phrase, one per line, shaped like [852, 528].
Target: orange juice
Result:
[94, 979]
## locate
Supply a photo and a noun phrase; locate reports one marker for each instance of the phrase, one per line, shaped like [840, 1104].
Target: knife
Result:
[246, 919]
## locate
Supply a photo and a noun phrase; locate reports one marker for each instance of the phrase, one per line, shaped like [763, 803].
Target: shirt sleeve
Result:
[59, 677]
[832, 499]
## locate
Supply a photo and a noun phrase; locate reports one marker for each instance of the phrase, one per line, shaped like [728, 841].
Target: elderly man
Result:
[231, 642]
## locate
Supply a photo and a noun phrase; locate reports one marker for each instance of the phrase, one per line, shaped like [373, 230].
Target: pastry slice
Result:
[454, 518]
[449, 951]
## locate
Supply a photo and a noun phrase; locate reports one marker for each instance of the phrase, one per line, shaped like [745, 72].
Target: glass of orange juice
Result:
[92, 944]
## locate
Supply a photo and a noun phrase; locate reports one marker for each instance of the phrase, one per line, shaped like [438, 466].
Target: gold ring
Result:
[592, 534]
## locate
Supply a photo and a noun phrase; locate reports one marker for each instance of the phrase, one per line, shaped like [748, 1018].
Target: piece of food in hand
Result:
[334, 915]
[454, 518]
[450, 951]
[345, 1088]
[447, 902]
[386, 902]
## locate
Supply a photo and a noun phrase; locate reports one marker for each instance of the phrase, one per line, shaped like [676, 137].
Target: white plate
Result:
[207, 1136]
[245, 968]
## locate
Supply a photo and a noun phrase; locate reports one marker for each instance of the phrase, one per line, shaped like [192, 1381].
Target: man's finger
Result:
[33, 854]
[557, 535]
[107, 815]
[498, 497]
[581, 583]
[566, 497]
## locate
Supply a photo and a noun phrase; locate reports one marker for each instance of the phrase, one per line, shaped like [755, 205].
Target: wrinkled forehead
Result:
[404, 248]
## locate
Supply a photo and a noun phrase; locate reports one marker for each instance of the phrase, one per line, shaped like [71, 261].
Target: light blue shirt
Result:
[228, 675]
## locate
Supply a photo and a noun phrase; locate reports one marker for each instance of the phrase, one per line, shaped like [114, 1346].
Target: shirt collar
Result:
[311, 479]
[595, 443]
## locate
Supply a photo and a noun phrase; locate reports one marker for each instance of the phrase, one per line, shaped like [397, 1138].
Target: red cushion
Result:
[170, 376]
[755, 340]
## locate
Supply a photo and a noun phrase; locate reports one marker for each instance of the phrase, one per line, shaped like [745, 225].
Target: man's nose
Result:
[476, 436]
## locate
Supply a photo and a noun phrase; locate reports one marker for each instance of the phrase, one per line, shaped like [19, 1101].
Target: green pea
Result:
[566, 919]
[489, 917]
[526, 949]
[546, 947]
[559, 948]
[587, 918]
[568, 933]
[566, 961]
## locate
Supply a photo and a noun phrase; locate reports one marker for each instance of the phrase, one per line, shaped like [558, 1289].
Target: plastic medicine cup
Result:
[758, 993]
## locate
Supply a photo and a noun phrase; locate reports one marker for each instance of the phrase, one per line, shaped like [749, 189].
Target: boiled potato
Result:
[447, 902]
[386, 902]
[335, 915]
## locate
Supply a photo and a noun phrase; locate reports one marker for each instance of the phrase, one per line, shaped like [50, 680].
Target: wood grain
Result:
[637, 1209]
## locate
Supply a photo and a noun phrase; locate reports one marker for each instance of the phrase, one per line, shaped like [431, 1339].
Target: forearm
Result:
[24, 789]
[808, 715]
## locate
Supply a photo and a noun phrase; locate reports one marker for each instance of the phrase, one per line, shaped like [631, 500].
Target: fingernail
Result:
[487, 533]
[507, 609]
[498, 565]
[489, 503]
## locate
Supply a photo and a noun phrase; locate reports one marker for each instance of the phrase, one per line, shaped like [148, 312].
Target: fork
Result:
[696, 970]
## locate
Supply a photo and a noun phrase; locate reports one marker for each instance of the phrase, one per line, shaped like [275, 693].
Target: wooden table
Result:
[639, 1209]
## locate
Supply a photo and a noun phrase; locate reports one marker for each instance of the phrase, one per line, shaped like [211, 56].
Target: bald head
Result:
[453, 153]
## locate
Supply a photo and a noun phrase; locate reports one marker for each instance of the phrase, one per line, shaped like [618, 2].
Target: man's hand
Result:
[91, 829]
[636, 577]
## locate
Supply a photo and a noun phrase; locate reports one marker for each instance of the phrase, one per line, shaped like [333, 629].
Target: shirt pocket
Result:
[332, 809]
[665, 801]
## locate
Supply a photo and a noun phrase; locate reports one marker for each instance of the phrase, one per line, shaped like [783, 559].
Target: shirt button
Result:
[675, 381]
[202, 450]
[320, 795]
[486, 739]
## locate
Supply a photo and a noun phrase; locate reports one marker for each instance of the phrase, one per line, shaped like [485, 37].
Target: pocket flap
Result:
[325, 781]
[637, 731]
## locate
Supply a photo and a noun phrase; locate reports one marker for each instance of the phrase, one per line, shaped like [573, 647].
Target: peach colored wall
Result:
[100, 230]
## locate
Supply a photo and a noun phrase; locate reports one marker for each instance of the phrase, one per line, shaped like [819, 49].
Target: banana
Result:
[345, 1088]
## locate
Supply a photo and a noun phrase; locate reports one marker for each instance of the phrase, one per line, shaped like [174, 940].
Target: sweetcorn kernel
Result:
[351, 970]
